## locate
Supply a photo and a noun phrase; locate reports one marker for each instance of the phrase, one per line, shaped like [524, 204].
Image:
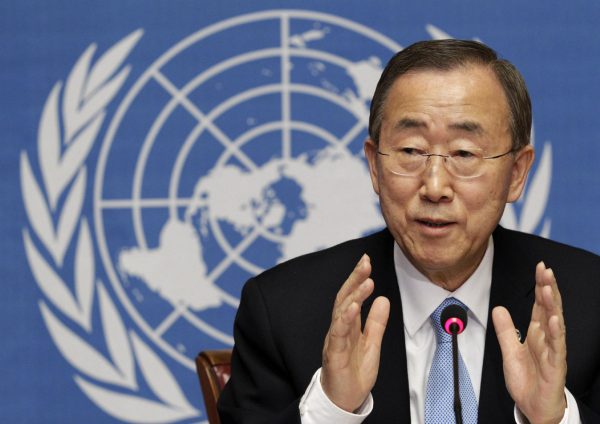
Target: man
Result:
[345, 335]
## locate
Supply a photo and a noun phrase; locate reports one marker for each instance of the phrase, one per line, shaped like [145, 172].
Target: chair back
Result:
[214, 370]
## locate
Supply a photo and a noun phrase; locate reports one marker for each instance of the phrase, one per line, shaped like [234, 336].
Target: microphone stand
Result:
[454, 320]
[457, 403]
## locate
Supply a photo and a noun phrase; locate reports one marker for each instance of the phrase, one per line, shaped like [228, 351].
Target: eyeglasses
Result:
[411, 162]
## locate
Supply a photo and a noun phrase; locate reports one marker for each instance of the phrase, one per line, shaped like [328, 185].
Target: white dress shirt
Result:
[420, 297]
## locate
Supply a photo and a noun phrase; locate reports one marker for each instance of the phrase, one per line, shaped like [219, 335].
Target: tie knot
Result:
[440, 333]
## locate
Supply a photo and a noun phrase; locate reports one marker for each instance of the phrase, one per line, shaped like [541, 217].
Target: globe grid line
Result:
[217, 334]
[286, 139]
[234, 254]
[146, 202]
[168, 321]
[180, 97]
[178, 312]
[182, 311]
[351, 134]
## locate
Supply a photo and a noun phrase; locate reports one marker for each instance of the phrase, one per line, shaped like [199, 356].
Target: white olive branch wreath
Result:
[67, 131]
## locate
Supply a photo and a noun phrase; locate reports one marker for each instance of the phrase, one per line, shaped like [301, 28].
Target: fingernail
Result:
[360, 261]
[363, 259]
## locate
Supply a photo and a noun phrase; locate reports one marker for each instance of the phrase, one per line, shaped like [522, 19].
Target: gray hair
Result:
[446, 55]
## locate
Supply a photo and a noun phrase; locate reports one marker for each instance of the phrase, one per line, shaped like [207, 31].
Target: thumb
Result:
[505, 331]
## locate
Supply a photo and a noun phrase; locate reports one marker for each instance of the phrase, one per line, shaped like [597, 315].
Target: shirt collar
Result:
[420, 297]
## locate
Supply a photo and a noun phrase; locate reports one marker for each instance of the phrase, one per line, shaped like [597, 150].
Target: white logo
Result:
[262, 149]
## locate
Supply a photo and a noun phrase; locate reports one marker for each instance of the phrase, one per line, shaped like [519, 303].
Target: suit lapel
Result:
[512, 287]
[391, 389]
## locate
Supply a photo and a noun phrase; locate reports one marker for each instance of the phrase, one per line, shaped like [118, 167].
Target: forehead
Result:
[469, 93]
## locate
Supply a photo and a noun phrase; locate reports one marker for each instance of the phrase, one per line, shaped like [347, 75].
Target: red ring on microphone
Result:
[454, 320]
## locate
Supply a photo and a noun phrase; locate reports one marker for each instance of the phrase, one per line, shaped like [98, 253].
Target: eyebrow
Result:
[409, 123]
[468, 126]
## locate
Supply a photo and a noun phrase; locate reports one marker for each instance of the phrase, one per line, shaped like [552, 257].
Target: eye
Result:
[410, 151]
[463, 154]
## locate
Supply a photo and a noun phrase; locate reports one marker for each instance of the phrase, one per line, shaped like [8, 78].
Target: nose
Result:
[436, 181]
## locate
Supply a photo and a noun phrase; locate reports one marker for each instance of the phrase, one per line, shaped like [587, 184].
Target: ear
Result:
[371, 155]
[520, 170]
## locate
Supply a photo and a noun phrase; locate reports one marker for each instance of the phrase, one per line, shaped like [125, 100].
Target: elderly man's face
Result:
[442, 222]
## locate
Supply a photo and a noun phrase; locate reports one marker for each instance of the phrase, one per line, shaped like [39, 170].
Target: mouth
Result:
[434, 223]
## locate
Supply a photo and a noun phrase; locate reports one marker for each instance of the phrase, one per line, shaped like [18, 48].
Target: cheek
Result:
[394, 197]
[397, 192]
[484, 203]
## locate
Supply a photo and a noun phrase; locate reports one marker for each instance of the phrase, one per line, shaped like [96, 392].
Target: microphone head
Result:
[454, 319]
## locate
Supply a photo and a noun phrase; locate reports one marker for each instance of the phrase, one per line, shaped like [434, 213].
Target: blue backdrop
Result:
[157, 153]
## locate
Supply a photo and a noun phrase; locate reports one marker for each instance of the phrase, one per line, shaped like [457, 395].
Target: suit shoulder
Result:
[550, 251]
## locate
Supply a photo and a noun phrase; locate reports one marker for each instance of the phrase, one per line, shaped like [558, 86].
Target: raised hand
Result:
[350, 354]
[535, 371]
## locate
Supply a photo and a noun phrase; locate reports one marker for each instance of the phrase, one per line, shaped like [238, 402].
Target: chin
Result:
[436, 263]
[436, 259]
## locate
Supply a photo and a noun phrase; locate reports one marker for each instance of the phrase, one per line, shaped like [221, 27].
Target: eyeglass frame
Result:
[427, 156]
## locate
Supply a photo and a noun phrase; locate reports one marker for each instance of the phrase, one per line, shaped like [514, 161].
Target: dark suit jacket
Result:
[285, 313]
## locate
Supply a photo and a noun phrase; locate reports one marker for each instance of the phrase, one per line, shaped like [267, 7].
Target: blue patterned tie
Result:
[440, 385]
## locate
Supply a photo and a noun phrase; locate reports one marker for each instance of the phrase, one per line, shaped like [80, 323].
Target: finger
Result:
[549, 280]
[539, 273]
[339, 336]
[538, 307]
[536, 342]
[552, 305]
[377, 321]
[360, 272]
[345, 323]
[557, 354]
[505, 332]
[543, 309]
[346, 317]
[545, 277]
[358, 296]
[556, 332]
[537, 313]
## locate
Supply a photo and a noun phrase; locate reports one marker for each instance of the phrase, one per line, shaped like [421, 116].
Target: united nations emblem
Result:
[238, 148]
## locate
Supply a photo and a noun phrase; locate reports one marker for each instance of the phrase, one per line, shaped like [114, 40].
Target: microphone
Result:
[454, 322]
[454, 319]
